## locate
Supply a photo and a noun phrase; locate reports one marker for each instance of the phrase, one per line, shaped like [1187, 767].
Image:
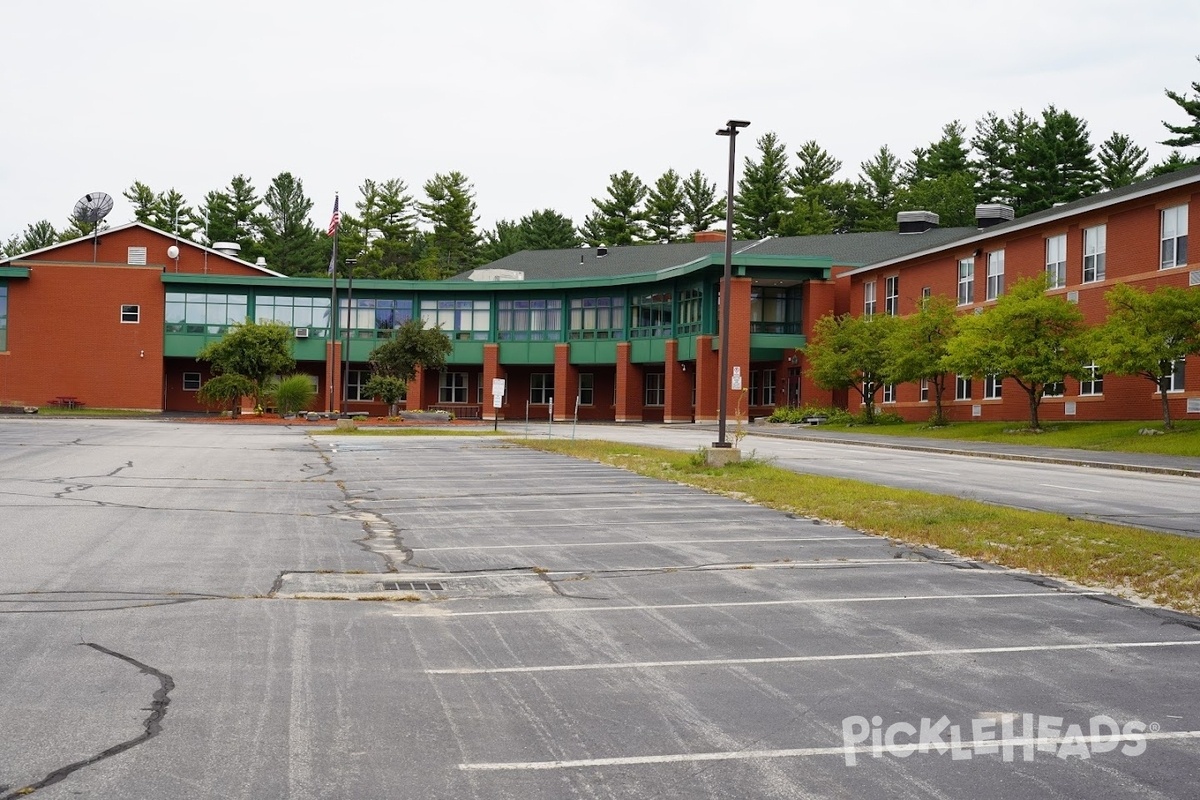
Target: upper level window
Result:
[1174, 236]
[597, 318]
[311, 313]
[201, 312]
[3, 317]
[869, 298]
[891, 295]
[1093, 253]
[995, 274]
[130, 313]
[1056, 261]
[529, 320]
[966, 281]
[371, 318]
[690, 312]
[774, 309]
[650, 315]
[460, 319]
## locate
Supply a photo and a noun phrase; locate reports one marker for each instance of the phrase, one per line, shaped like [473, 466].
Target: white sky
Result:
[539, 101]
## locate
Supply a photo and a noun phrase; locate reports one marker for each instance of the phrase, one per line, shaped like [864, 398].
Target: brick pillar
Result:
[707, 366]
[566, 383]
[739, 348]
[677, 406]
[491, 371]
[818, 300]
[629, 392]
[413, 399]
[333, 376]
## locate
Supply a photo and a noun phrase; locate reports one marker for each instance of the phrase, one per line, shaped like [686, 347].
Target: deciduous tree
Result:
[412, 347]
[255, 351]
[849, 352]
[917, 348]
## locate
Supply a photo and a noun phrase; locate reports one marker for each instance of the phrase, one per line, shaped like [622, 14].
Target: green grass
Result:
[1109, 436]
[408, 432]
[1130, 561]
[55, 411]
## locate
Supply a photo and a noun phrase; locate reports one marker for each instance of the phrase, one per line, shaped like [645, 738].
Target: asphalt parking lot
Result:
[526, 625]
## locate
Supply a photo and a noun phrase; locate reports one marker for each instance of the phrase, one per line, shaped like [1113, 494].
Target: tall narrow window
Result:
[587, 389]
[889, 393]
[962, 388]
[768, 387]
[1175, 379]
[1056, 261]
[891, 295]
[966, 281]
[924, 390]
[3, 317]
[1174, 236]
[993, 387]
[1093, 253]
[656, 393]
[869, 298]
[995, 274]
[1092, 382]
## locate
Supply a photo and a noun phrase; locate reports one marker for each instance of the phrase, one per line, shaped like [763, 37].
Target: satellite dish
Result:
[172, 252]
[92, 208]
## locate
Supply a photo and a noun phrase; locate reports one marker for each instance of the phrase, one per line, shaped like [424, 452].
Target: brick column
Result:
[739, 346]
[566, 383]
[491, 371]
[629, 392]
[677, 406]
[818, 300]
[413, 399]
[708, 364]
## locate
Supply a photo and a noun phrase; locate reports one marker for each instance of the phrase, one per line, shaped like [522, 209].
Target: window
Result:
[370, 318]
[587, 389]
[774, 309]
[203, 313]
[650, 315]
[311, 313]
[993, 386]
[356, 379]
[1092, 381]
[1093, 253]
[460, 319]
[1056, 261]
[891, 295]
[755, 389]
[995, 274]
[191, 381]
[529, 320]
[690, 311]
[597, 318]
[924, 390]
[1176, 378]
[768, 387]
[1174, 236]
[869, 298]
[130, 313]
[962, 388]
[452, 387]
[966, 281]
[541, 388]
[656, 393]
[3, 317]
[889, 393]
[1054, 389]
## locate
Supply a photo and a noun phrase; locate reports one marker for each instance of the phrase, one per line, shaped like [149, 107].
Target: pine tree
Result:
[617, 219]
[386, 231]
[1173, 162]
[701, 206]
[503, 240]
[664, 208]
[1189, 134]
[289, 240]
[144, 201]
[451, 211]
[1061, 168]
[822, 205]
[878, 182]
[548, 230]
[1121, 161]
[762, 197]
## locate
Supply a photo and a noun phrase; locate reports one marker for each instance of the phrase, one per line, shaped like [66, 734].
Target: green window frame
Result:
[526, 320]
[311, 313]
[460, 319]
[650, 315]
[204, 313]
[690, 315]
[373, 317]
[596, 318]
[775, 309]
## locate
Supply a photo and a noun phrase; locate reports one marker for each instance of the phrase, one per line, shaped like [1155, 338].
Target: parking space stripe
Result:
[737, 662]
[651, 542]
[987, 746]
[751, 604]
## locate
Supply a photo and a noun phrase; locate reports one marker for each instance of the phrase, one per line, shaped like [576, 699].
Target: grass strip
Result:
[406, 432]
[1131, 562]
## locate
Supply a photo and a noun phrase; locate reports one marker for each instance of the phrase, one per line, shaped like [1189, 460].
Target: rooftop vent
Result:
[989, 214]
[261, 261]
[228, 248]
[496, 274]
[601, 251]
[916, 221]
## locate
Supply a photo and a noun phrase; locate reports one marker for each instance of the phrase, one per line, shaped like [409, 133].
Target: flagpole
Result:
[334, 229]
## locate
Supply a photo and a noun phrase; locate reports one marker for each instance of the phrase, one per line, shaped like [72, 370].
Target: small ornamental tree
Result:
[412, 347]
[226, 391]
[916, 350]
[1146, 333]
[849, 353]
[1031, 337]
[256, 351]
[387, 388]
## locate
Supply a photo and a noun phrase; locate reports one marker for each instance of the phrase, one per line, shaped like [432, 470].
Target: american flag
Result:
[336, 220]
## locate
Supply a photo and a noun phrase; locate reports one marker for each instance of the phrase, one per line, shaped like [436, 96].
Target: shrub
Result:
[293, 394]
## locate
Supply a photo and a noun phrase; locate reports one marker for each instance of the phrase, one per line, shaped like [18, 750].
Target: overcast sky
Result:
[538, 102]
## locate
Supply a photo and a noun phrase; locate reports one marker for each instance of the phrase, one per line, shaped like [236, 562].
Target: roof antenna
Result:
[90, 210]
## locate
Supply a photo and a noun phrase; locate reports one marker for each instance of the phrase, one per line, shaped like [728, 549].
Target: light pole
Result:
[730, 130]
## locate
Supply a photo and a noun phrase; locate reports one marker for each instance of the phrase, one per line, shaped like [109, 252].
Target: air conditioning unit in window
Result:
[301, 333]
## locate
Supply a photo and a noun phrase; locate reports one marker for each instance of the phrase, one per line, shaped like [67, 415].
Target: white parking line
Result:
[732, 662]
[749, 604]
[633, 542]
[1072, 488]
[987, 746]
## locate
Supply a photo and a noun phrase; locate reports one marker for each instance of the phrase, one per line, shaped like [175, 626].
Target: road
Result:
[227, 611]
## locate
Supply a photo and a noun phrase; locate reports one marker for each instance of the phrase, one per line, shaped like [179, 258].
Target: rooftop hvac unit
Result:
[301, 333]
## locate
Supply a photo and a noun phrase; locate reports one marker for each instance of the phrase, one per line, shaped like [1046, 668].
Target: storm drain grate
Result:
[412, 586]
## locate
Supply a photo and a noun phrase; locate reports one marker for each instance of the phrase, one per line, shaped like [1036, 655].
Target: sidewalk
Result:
[1133, 462]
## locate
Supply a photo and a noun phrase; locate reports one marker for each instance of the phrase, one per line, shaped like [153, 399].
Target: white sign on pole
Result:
[497, 387]
[497, 401]
[737, 379]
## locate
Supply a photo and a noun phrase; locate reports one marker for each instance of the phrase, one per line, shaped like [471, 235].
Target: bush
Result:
[790, 414]
[226, 391]
[293, 394]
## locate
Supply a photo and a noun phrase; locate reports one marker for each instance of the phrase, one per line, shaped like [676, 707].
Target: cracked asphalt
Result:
[215, 611]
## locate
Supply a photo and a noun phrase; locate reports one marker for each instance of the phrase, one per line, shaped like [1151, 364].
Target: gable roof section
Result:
[151, 229]
[1134, 191]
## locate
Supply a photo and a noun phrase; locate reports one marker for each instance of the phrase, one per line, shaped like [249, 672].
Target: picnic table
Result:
[67, 401]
